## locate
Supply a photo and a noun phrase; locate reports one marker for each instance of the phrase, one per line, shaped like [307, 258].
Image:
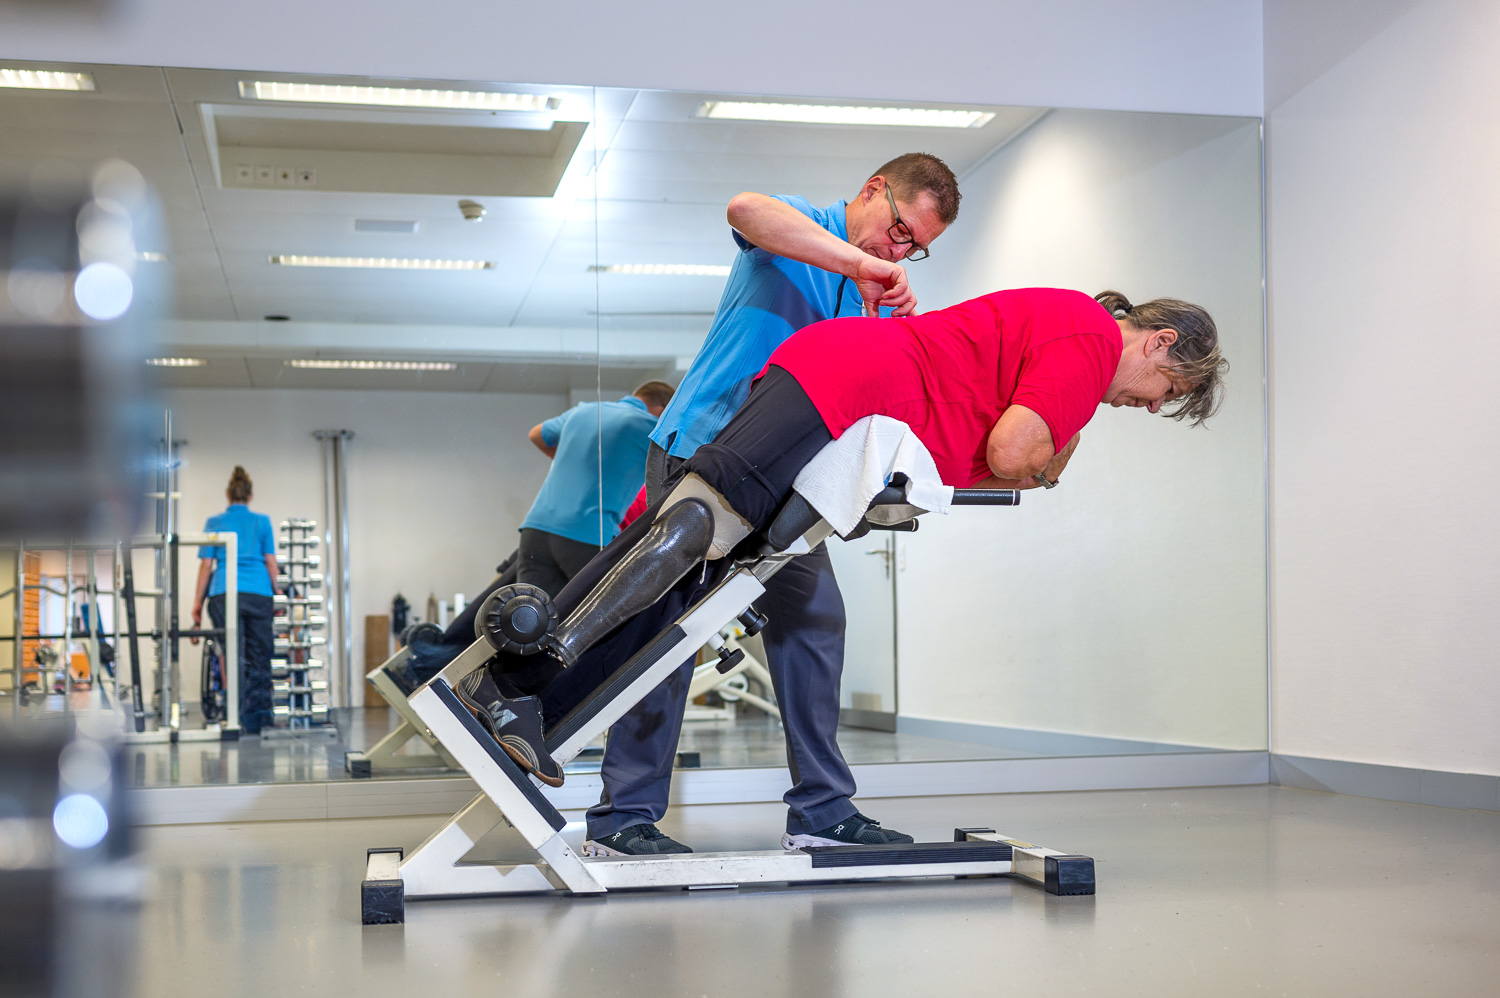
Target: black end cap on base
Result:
[229, 735]
[1069, 875]
[382, 902]
[962, 834]
[357, 765]
[729, 659]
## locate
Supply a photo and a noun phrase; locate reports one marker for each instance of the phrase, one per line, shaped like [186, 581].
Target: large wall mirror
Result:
[440, 266]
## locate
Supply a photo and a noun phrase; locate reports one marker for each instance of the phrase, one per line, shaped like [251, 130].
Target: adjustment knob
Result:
[752, 620]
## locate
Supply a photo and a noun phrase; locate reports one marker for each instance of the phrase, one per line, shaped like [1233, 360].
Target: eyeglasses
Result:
[901, 235]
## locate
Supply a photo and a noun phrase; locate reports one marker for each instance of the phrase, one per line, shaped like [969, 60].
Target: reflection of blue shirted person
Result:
[798, 264]
[255, 574]
[577, 511]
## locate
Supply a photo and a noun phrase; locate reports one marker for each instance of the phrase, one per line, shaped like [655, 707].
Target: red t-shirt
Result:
[949, 374]
[635, 509]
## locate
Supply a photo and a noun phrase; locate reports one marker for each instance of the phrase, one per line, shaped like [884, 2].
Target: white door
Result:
[865, 569]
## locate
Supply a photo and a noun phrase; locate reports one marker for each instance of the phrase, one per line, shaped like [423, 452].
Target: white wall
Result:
[1129, 602]
[1384, 153]
[438, 482]
[1167, 55]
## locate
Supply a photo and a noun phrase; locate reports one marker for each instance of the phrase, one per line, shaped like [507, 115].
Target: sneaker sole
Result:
[483, 717]
[792, 842]
[595, 849]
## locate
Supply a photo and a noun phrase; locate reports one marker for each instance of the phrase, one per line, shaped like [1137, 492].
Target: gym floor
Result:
[752, 740]
[1217, 891]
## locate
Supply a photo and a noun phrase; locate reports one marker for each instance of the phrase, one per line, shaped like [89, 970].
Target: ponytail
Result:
[239, 485]
[1116, 304]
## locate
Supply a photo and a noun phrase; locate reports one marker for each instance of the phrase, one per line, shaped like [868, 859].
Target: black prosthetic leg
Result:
[520, 620]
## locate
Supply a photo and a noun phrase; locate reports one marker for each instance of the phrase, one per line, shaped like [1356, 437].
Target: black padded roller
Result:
[516, 619]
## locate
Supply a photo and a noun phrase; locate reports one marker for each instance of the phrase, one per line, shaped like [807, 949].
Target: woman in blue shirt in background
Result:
[255, 577]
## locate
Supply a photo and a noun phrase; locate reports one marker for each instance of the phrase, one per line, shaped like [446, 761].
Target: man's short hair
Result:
[914, 173]
[655, 393]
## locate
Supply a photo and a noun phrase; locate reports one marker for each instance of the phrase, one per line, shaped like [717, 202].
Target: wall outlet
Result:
[244, 174]
[307, 176]
[286, 176]
[265, 175]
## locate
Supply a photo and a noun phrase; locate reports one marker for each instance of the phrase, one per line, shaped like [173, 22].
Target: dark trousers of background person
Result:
[804, 642]
[549, 561]
[256, 644]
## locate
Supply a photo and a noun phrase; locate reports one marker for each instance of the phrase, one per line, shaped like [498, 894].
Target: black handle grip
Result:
[905, 526]
[986, 497]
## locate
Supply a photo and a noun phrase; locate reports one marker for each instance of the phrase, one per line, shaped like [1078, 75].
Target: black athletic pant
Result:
[752, 463]
[548, 561]
[256, 644]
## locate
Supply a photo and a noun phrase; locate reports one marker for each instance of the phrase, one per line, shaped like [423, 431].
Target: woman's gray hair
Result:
[1195, 354]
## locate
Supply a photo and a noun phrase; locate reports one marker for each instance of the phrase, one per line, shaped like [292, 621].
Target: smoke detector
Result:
[473, 210]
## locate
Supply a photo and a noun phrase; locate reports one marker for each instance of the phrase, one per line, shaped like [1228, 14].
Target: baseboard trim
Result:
[1039, 742]
[874, 720]
[444, 795]
[1393, 783]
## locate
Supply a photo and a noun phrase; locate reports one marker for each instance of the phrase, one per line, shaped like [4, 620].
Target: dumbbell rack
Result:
[294, 692]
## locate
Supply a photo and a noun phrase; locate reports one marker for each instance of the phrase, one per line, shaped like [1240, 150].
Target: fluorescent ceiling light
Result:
[683, 269]
[151, 256]
[833, 114]
[40, 79]
[465, 100]
[176, 361]
[321, 364]
[381, 263]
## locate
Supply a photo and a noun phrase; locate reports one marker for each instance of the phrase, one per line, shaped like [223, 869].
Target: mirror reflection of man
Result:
[797, 264]
[598, 452]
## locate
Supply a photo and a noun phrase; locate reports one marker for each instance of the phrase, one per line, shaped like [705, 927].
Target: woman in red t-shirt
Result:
[996, 388]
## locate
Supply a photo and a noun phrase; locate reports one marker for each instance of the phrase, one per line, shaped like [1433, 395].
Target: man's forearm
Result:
[778, 228]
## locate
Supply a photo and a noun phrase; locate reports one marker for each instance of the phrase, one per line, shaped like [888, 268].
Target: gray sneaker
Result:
[515, 723]
[644, 839]
[855, 830]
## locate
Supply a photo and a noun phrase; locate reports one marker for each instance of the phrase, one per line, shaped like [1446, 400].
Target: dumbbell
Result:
[312, 599]
[283, 688]
[318, 713]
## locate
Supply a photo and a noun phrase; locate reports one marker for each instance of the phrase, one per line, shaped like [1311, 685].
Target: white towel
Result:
[847, 474]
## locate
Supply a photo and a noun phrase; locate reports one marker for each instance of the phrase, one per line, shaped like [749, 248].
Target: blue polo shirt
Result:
[766, 299]
[255, 542]
[614, 434]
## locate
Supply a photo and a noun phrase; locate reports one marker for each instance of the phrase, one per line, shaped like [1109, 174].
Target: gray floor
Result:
[753, 740]
[1207, 892]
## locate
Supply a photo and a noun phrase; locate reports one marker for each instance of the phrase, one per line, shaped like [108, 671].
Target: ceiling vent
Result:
[403, 226]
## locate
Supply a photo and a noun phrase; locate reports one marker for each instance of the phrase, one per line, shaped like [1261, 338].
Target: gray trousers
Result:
[804, 643]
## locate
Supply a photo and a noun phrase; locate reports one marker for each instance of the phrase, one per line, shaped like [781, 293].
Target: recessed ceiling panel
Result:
[395, 153]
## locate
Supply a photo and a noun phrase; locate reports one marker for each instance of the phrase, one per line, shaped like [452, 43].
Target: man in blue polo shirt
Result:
[797, 264]
[578, 511]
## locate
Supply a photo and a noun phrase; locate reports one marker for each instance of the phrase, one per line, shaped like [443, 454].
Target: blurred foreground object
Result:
[75, 428]
[69, 885]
